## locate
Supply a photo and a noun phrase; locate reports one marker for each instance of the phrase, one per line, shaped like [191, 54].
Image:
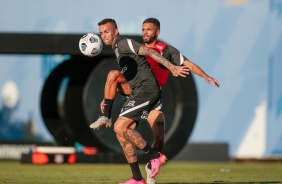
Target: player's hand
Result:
[209, 79]
[102, 106]
[181, 71]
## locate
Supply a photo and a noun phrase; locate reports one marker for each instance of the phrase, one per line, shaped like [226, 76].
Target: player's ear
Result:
[116, 31]
[158, 32]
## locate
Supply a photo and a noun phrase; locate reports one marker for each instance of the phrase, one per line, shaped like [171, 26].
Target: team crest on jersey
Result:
[159, 47]
[123, 69]
[145, 115]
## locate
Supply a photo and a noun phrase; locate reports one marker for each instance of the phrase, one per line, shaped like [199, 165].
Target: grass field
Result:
[172, 172]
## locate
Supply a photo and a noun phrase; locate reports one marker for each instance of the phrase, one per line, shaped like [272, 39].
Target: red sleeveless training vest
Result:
[160, 71]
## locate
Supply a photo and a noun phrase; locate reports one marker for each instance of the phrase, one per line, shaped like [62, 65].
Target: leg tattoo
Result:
[135, 138]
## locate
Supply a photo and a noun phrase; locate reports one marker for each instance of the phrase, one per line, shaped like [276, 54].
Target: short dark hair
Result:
[154, 21]
[104, 21]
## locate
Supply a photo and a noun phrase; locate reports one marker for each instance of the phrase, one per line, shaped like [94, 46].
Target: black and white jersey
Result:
[134, 67]
[173, 55]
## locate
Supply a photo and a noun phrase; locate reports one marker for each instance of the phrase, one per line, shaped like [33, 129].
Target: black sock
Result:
[135, 171]
[108, 103]
[150, 152]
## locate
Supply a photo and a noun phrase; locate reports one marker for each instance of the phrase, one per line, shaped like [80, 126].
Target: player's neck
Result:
[114, 41]
[151, 44]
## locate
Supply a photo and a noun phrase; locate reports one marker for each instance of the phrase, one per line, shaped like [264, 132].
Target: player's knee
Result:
[119, 128]
[160, 116]
[113, 75]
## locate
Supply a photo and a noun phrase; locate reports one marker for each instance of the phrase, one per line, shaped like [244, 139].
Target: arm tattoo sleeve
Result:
[157, 57]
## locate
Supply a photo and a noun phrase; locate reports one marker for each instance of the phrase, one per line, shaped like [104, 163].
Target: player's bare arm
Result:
[198, 71]
[175, 70]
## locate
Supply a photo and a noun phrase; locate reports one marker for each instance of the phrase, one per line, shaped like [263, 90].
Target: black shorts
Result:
[139, 104]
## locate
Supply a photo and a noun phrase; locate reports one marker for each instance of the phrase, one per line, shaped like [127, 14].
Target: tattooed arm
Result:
[175, 70]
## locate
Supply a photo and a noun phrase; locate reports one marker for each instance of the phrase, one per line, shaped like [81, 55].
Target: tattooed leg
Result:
[122, 129]
[157, 122]
[135, 138]
[128, 149]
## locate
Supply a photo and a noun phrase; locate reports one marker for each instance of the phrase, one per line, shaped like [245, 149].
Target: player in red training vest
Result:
[116, 82]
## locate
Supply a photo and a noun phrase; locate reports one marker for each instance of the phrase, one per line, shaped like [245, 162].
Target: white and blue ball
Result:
[90, 45]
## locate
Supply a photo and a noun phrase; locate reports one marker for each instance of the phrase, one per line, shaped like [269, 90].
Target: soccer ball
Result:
[90, 45]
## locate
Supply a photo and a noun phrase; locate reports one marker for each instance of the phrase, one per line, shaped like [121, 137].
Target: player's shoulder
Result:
[126, 40]
[121, 39]
[159, 45]
[171, 48]
[164, 45]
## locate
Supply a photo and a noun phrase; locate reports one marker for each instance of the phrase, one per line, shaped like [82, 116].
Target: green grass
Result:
[172, 172]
